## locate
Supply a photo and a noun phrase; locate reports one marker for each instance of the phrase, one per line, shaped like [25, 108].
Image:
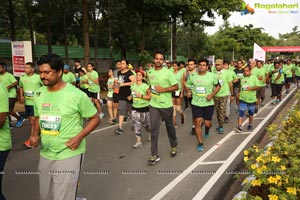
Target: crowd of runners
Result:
[58, 97]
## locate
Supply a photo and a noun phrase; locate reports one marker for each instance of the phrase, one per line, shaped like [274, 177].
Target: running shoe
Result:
[153, 160]
[206, 134]
[27, 144]
[119, 131]
[173, 152]
[226, 120]
[20, 122]
[238, 129]
[101, 115]
[137, 145]
[221, 130]
[249, 128]
[200, 147]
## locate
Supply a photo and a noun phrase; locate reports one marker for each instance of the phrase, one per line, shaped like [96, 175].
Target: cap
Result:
[67, 67]
[219, 62]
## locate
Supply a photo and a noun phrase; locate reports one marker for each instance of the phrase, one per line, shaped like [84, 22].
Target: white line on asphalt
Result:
[212, 162]
[190, 168]
[209, 184]
[108, 127]
[259, 118]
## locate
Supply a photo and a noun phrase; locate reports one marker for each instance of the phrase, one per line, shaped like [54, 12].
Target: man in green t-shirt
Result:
[221, 98]
[10, 82]
[5, 136]
[29, 83]
[68, 76]
[204, 86]
[162, 83]
[297, 73]
[249, 85]
[59, 109]
[288, 74]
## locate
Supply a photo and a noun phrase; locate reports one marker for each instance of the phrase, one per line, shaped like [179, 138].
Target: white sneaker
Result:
[137, 145]
[101, 115]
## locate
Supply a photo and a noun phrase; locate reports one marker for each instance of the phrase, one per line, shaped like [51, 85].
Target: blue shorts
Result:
[29, 111]
[243, 106]
[203, 112]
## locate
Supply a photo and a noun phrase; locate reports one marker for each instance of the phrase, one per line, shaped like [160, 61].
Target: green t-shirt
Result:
[165, 78]
[142, 89]
[297, 70]
[245, 95]
[82, 84]
[30, 84]
[287, 70]
[61, 116]
[7, 79]
[178, 77]
[69, 77]
[274, 76]
[201, 86]
[224, 77]
[110, 92]
[260, 72]
[5, 136]
[93, 87]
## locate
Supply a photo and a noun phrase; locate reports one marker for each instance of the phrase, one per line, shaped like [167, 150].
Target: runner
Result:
[239, 71]
[297, 73]
[140, 115]
[192, 68]
[68, 76]
[59, 111]
[83, 81]
[76, 69]
[116, 91]
[221, 98]
[125, 79]
[249, 85]
[288, 75]
[277, 81]
[94, 88]
[163, 83]
[5, 135]
[10, 82]
[29, 83]
[203, 86]
[110, 87]
[177, 95]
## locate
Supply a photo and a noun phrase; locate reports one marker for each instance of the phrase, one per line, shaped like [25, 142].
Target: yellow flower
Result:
[274, 179]
[259, 159]
[253, 166]
[282, 167]
[246, 158]
[246, 153]
[291, 190]
[275, 159]
[273, 197]
[269, 148]
[256, 182]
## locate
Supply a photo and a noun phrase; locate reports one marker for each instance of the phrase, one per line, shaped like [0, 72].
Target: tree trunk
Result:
[28, 10]
[110, 5]
[174, 38]
[85, 32]
[12, 27]
[142, 45]
[49, 25]
[66, 37]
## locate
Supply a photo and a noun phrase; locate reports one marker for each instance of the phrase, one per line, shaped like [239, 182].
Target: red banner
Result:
[281, 48]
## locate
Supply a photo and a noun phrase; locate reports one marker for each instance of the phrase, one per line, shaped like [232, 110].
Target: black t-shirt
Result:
[238, 71]
[124, 91]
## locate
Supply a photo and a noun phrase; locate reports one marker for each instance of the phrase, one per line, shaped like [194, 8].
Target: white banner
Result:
[211, 59]
[21, 54]
[259, 53]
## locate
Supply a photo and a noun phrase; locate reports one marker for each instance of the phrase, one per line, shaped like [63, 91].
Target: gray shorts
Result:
[124, 106]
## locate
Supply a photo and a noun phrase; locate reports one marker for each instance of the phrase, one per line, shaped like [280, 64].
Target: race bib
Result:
[245, 87]
[201, 91]
[154, 92]
[177, 93]
[91, 83]
[50, 125]
[239, 75]
[29, 93]
[221, 82]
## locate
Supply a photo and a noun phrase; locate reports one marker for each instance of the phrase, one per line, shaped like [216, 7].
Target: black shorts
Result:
[11, 103]
[203, 112]
[289, 80]
[85, 91]
[176, 95]
[93, 95]
[116, 97]
[29, 111]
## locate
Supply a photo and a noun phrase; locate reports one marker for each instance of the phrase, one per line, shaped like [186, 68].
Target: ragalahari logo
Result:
[246, 8]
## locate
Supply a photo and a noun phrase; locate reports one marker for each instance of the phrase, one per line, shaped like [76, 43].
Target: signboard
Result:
[282, 48]
[21, 54]
[259, 53]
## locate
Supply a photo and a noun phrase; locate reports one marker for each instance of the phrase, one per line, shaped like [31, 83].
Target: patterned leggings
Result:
[220, 106]
[140, 119]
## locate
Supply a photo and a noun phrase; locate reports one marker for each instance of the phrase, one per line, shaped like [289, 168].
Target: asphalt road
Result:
[112, 170]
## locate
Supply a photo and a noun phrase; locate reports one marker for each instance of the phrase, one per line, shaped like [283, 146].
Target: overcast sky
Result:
[273, 23]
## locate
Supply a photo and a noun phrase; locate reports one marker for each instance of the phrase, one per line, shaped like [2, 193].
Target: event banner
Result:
[21, 54]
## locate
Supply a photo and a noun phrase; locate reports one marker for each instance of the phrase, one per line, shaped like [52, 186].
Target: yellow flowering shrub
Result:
[276, 168]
